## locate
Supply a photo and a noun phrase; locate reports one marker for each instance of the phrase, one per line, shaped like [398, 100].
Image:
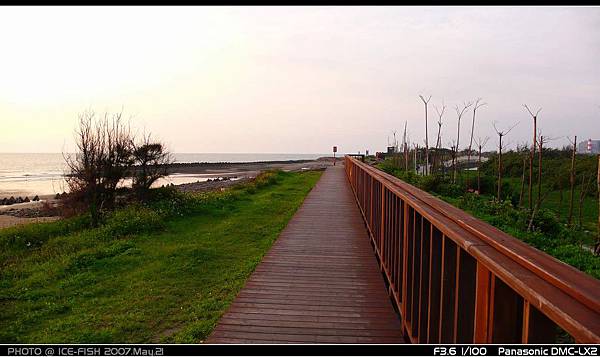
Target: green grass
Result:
[589, 212]
[162, 273]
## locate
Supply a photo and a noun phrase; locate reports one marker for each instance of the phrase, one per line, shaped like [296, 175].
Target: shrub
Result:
[546, 222]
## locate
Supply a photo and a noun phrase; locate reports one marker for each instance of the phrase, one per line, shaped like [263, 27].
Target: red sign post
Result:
[334, 151]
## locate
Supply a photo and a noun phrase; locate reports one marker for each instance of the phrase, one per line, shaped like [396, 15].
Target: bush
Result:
[546, 222]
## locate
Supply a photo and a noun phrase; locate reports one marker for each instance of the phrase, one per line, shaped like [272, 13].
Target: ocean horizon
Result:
[29, 174]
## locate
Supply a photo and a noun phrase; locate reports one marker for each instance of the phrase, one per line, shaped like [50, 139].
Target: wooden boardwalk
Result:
[319, 283]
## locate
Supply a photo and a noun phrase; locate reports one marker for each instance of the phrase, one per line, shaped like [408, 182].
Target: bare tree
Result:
[453, 156]
[405, 148]
[540, 155]
[523, 150]
[438, 142]
[84, 173]
[118, 160]
[501, 134]
[102, 161]
[480, 144]
[536, 210]
[572, 180]
[416, 151]
[396, 157]
[475, 107]
[459, 113]
[532, 155]
[425, 102]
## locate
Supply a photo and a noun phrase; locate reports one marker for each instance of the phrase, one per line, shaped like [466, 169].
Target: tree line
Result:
[528, 159]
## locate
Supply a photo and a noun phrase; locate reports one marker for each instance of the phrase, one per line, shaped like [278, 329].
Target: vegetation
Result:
[108, 153]
[163, 270]
[550, 233]
[563, 224]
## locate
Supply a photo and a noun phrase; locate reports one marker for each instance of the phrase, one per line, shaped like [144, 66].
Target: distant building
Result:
[589, 147]
[391, 149]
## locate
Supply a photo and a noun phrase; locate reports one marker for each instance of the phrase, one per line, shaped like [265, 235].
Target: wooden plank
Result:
[248, 337]
[319, 283]
[304, 330]
[260, 321]
[482, 304]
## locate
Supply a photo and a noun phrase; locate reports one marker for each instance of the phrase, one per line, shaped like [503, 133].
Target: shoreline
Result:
[201, 171]
[206, 177]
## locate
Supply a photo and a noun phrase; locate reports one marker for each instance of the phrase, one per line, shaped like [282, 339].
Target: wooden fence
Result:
[457, 279]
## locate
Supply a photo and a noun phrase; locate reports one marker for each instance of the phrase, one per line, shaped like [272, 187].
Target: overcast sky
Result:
[296, 79]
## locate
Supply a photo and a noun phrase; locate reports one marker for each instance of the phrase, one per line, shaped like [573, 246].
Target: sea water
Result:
[42, 174]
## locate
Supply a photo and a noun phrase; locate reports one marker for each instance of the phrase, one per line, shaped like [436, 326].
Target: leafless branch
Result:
[423, 99]
[530, 112]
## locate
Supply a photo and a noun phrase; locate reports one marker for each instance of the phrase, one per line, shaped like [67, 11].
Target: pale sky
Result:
[296, 79]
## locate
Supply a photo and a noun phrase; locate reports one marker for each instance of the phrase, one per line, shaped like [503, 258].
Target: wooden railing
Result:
[456, 279]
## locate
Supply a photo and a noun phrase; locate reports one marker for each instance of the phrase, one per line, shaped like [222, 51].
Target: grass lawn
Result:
[168, 283]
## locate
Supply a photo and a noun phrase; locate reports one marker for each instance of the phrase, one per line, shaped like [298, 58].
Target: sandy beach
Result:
[9, 221]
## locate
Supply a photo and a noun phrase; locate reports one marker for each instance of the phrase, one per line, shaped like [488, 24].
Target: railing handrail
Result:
[543, 276]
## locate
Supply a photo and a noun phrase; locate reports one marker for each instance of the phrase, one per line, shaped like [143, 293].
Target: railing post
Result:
[403, 293]
[371, 204]
[526, 314]
[382, 230]
[482, 304]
